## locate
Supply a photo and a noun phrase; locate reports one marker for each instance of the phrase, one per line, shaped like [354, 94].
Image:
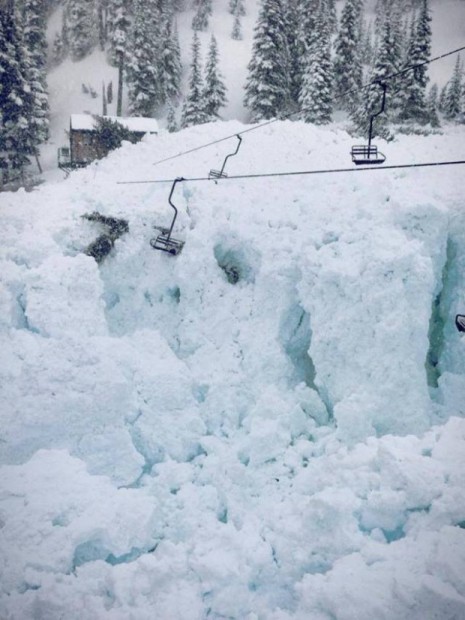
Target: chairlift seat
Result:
[363, 154]
[165, 243]
[217, 174]
[460, 322]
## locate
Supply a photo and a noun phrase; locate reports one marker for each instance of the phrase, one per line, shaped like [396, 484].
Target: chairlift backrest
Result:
[460, 322]
[221, 174]
[165, 242]
[369, 154]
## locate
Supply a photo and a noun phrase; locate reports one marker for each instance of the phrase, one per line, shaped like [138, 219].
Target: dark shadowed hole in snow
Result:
[236, 263]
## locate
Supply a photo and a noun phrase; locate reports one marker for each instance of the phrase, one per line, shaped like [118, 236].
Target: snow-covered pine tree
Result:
[454, 93]
[118, 27]
[57, 49]
[15, 98]
[60, 46]
[442, 98]
[387, 62]
[35, 49]
[193, 111]
[331, 15]
[236, 32]
[414, 82]
[237, 7]
[102, 14]
[215, 89]
[348, 73]
[203, 12]
[367, 47]
[317, 81]
[171, 123]
[432, 106]
[170, 68]
[142, 59]
[82, 30]
[306, 35]
[293, 20]
[267, 90]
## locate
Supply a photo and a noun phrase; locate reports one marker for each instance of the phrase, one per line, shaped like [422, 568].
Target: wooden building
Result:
[84, 146]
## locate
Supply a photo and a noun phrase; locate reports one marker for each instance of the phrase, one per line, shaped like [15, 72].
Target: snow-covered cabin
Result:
[84, 145]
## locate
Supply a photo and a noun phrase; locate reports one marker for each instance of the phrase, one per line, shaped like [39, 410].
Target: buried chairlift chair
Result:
[365, 154]
[165, 241]
[221, 174]
[460, 322]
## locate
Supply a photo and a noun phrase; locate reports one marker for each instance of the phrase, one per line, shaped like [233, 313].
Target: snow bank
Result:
[269, 425]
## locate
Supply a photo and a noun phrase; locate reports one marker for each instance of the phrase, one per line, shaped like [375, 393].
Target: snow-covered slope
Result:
[270, 425]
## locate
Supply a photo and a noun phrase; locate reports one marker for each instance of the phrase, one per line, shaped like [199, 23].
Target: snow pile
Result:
[269, 425]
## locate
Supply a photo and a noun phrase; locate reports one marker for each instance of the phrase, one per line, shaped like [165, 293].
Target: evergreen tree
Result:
[236, 7]
[65, 31]
[82, 29]
[193, 112]
[292, 11]
[15, 97]
[215, 90]
[432, 105]
[307, 36]
[316, 92]
[141, 67]
[57, 49]
[34, 27]
[236, 33]
[102, 13]
[453, 98]
[118, 26]
[442, 98]
[347, 64]
[169, 63]
[204, 10]
[171, 123]
[388, 62]
[413, 99]
[267, 91]
[331, 15]
[60, 46]
[110, 135]
[367, 48]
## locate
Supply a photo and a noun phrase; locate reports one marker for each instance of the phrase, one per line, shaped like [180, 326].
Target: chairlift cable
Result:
[290, 115]
[300, 173]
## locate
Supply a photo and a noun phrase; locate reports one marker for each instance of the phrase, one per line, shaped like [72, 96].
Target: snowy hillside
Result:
[270, 425]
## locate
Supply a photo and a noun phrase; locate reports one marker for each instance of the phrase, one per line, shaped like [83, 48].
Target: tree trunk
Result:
[119, 105]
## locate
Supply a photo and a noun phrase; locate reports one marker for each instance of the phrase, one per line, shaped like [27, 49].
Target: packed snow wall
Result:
[248, 415]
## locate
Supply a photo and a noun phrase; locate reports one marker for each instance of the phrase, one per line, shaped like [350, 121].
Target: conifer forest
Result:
[310, 59]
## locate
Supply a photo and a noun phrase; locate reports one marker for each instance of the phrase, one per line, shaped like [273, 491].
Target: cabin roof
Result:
[138, 124]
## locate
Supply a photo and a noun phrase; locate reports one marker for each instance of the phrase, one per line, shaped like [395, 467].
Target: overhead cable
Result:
[300, 173]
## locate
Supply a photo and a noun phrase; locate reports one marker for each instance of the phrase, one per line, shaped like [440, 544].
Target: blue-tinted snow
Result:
[180, 443]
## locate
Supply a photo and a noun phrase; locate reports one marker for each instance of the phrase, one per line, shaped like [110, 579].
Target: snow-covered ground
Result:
[176, 444]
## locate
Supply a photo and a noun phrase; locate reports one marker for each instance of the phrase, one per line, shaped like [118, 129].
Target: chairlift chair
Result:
[460, 322]
[221, 174]
[368, 154]
[165, 242]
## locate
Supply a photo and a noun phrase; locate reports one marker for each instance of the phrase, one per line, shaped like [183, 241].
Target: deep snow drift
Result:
[269, 426]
